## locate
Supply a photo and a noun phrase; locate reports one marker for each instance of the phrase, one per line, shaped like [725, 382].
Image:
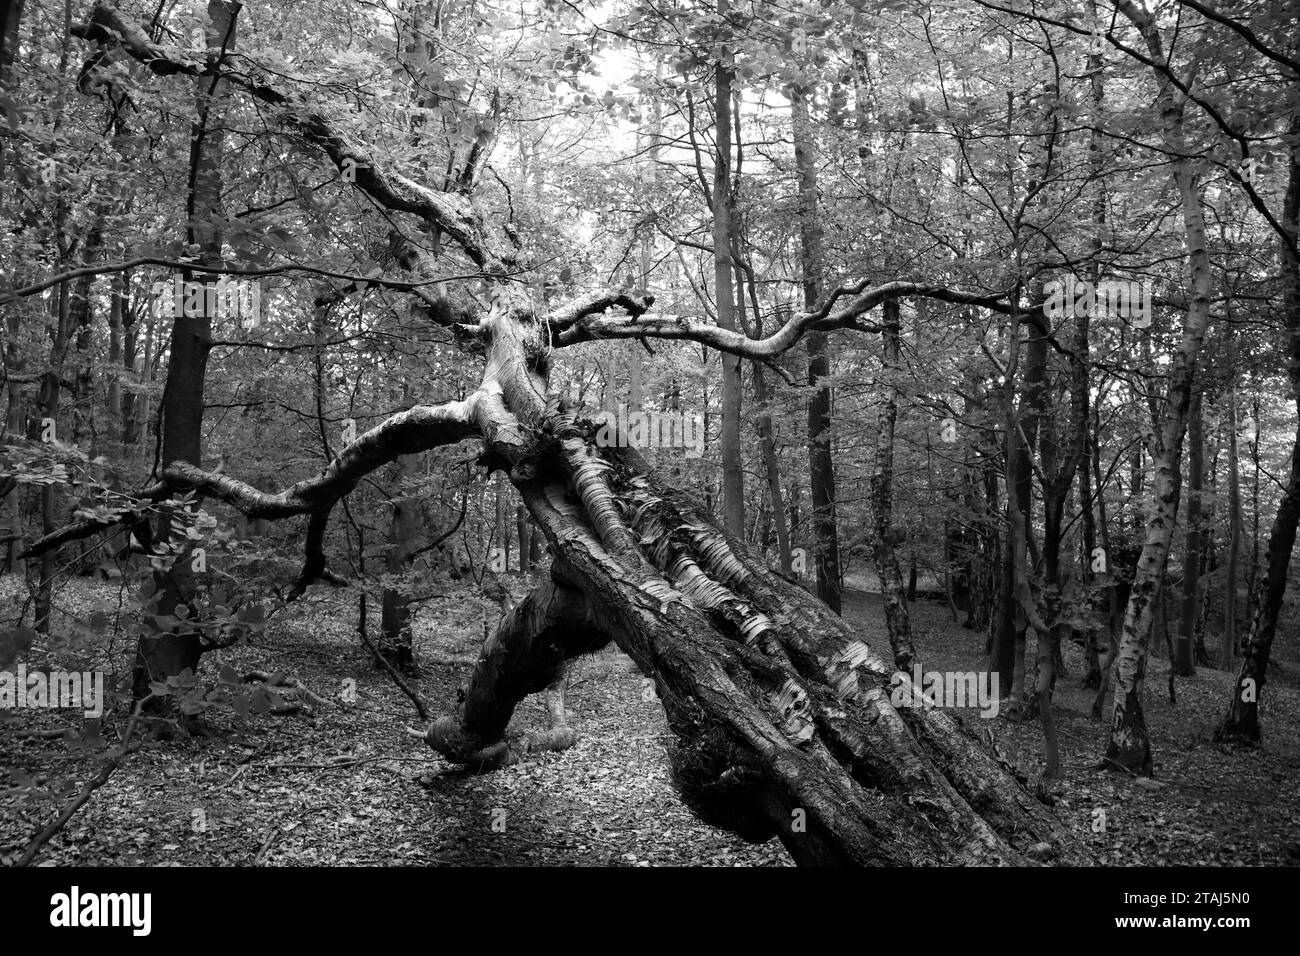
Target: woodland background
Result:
[970, 484]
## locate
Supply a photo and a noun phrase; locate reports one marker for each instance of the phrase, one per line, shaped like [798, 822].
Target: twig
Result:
[42, 734]
[291, 684]
[266, 844]
[101, 778]
[420, 706]
[346, 763]
[464, 506]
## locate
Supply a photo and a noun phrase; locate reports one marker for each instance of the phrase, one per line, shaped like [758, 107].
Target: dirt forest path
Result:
[343, 785]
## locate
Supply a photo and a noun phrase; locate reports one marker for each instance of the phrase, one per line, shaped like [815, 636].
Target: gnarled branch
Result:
[564, 316]
[585, 328]
[417, 429]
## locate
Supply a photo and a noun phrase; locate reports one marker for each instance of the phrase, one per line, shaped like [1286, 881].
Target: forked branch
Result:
[415, 430]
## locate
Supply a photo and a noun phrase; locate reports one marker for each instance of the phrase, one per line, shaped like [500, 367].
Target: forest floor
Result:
[342, 784]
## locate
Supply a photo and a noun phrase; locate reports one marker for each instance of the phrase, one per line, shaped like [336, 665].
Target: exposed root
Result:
[525, 655]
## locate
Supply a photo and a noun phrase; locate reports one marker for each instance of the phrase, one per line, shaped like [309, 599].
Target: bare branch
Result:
[85, 527]
[416, 288]
[406, 433]
[564, 316]
[585, 328]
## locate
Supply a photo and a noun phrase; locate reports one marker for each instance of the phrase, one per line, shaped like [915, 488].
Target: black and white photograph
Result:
[693, 434]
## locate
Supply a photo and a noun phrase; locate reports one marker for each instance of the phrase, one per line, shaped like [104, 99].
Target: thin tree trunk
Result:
[1112, 597]
[766, 434]
[16, 423]
[1209, 561]
[1087, 512]
[1252, 571]
[11, 13]
[733, 475]
[1229, 645]
[1021, 432]
[1058, 465]
[1183, 664]
[821, 466]
[1242, 723]
[51, 386]
[130, 402]
[11, 16]
[522, 529]
[396, 641]
[501, 530]
[1096, 164]
[772, 467]
[650, 179]
[1129, 746]
[892, 595]
[161, 654]
[114, 392]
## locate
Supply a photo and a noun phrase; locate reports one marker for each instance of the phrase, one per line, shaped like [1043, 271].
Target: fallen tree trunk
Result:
[783, 717]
